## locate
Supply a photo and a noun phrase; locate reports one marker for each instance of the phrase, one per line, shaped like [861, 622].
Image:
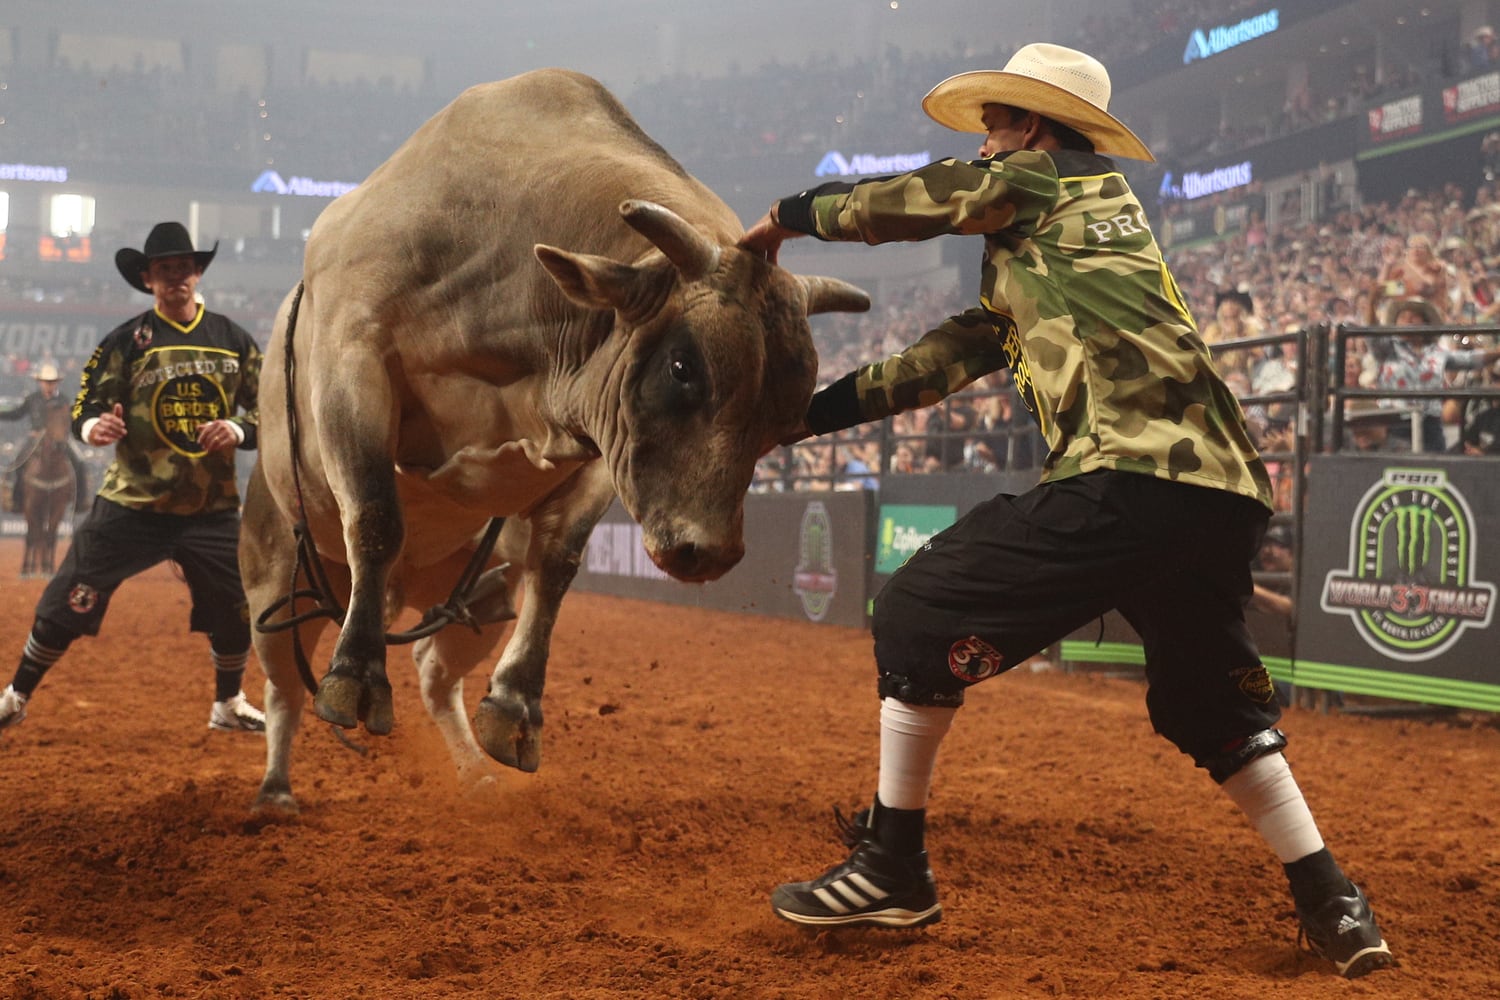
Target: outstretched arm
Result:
[766, 236]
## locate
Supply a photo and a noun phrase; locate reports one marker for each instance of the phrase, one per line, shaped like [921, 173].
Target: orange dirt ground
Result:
[689, 764]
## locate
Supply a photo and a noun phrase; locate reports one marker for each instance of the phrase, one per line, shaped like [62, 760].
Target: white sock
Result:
[1266, 792]
[909, 739]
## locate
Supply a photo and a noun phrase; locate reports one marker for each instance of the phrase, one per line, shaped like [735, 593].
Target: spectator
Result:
[1481, 434]
[1417, 274]
[1369, 426]
[1422, 362]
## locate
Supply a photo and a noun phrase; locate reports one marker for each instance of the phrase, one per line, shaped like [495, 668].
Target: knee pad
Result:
[914, 692]
[230, 637]
[1231, 759]
[52, 635]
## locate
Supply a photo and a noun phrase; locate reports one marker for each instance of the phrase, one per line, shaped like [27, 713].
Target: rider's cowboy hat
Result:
[47, 372]
[1056, 82]
[167, 239]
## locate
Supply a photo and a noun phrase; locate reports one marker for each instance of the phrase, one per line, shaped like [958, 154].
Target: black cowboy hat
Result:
[167, 239]
[1236, 295]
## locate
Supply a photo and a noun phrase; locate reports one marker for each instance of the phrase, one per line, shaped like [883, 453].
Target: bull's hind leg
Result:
[509, 719]
[444, 658]
[267, 562]
[356, 429]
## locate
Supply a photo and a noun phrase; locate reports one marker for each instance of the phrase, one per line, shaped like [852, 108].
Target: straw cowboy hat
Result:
[1418, 307]
[167, 239]
[47, 372]
[1363, 410]
[1056, 82]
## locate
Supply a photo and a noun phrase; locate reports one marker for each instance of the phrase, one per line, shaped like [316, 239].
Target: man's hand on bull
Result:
[218, 435]
[766, 236]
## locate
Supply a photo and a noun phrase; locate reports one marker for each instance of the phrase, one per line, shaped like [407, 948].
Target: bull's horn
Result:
[694, 254]
[832, 295]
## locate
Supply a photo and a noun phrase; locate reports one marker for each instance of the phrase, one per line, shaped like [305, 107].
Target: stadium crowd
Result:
[342, 130]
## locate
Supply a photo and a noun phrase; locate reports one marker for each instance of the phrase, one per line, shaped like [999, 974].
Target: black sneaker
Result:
[873, 888]
[1342, 929]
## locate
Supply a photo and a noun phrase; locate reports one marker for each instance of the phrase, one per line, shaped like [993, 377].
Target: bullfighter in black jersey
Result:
[175, 391]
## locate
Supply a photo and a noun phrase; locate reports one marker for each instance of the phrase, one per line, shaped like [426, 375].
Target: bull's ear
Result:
[590, 281]
[833, 295]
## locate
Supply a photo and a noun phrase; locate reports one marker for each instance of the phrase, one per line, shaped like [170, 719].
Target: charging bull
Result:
[529, 309]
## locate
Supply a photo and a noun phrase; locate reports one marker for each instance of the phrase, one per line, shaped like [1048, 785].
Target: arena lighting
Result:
[834, 164]
[1202, 45]
[33, 172]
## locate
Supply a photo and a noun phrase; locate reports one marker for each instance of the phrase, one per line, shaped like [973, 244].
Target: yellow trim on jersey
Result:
[202, 311]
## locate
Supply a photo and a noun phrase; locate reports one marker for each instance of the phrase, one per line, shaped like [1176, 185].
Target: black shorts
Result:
[1018, 573]
[115, 543]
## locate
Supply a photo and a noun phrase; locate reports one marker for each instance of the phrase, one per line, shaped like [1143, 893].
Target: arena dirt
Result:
[690, 762]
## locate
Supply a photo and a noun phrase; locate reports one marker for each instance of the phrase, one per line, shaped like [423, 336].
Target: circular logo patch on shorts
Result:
[82, 598]
[1256, 683]
[973, 660]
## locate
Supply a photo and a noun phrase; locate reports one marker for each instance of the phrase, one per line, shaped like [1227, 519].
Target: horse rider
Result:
[36, 407]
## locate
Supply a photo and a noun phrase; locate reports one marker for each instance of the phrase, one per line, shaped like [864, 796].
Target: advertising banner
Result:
[1401, 562]
[805, 559]
[40, 330]
[1437, 111]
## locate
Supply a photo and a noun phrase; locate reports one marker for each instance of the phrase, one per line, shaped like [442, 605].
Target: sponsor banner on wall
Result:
[1400, 569]
[1438, 111]
[38, 331]
[805, 559]
[901, 529]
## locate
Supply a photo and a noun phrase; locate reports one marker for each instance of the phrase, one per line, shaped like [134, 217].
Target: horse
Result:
[49, 491]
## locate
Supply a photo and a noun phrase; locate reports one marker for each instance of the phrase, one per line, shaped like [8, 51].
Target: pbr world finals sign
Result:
[1398, 579]
[1410, 586]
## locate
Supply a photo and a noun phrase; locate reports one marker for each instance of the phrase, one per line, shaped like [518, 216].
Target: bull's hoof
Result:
[275, 804]
[338, 700]
[510, 730]
[376, 710]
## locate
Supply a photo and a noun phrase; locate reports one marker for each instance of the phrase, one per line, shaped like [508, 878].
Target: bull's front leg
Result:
[356, 437]
[508, 722]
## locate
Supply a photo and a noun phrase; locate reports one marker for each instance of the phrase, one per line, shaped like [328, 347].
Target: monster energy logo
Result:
[815, 580]
[1410, 585]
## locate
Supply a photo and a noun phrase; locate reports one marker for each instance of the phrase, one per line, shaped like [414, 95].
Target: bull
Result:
[528, 310]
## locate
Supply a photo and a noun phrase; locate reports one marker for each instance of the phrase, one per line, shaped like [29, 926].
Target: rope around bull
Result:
[436, 618]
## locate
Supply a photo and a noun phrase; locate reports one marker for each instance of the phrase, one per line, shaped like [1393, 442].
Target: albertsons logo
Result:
[1411, 586]
[835, 164]
[270, 182]
[1203, 44]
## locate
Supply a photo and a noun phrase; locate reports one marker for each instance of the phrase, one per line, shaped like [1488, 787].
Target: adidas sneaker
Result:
[1342, 929]
[872, 888]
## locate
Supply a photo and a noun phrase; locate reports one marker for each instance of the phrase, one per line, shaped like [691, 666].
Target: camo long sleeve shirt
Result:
[170, 378]
[1074, 298]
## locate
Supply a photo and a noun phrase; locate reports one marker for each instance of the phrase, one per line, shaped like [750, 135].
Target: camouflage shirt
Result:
[1074, 298]
[171, 378]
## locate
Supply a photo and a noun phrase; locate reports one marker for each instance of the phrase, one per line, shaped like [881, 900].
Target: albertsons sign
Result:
[1202, 44]
[835, 164]
[270, 182]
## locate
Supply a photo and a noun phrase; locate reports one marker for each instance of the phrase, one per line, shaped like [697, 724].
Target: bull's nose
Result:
[695, 562]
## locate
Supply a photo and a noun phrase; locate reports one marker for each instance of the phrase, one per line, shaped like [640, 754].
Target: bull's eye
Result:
[682, 367]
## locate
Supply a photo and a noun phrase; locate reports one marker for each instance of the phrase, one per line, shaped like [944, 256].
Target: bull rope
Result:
[436, 618]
